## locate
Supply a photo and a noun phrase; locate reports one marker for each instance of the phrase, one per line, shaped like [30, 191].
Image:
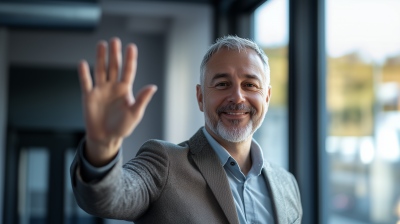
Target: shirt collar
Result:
[223, 155]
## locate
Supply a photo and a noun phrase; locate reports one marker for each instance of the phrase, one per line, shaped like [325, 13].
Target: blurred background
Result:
[333, 121]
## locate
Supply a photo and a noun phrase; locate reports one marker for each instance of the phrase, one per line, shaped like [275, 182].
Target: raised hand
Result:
[111, 112]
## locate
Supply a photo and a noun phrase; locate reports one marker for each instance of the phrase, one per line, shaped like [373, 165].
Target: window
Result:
[362, 84]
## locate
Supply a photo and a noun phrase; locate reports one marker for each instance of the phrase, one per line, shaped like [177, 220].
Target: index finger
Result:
[84, 77]
[130, 64]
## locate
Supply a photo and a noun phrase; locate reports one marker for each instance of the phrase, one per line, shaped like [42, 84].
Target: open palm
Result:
[110, 109]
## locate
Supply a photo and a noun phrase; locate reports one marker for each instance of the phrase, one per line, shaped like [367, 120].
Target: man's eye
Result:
[221, 84]
[250, 85]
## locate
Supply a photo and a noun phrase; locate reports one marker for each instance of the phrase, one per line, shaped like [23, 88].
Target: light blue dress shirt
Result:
[252, 198]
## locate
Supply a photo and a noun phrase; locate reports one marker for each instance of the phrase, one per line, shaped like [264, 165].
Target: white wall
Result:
[3, 110]
[187, 42]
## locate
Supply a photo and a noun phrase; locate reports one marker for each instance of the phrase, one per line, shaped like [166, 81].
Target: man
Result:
[217, 176]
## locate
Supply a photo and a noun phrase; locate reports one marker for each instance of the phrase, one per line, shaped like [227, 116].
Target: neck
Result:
[240, 151]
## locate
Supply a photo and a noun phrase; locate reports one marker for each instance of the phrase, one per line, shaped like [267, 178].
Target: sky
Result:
[369, 27]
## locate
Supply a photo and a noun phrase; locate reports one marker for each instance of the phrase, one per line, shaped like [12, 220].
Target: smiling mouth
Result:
[235, 111]
[230, 113]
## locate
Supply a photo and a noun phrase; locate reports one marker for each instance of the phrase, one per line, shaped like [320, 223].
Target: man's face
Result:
[236, 97]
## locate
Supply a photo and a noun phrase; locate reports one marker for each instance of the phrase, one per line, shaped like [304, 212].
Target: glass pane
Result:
[272, 35]
[33, 185]
[363, 79]
[72, 212]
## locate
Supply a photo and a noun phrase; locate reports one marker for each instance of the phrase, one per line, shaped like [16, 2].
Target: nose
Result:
[236, 95]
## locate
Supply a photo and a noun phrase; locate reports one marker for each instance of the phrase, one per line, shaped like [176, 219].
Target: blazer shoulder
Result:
[160, 146]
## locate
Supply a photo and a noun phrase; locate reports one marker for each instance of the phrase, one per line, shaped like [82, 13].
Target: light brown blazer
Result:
[184, 183]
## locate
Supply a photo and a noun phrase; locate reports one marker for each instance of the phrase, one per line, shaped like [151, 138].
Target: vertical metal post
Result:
[11, 179]
[307, 102]
[323, 160]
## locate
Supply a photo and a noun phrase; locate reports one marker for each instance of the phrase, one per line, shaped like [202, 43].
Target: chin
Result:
[235, 131]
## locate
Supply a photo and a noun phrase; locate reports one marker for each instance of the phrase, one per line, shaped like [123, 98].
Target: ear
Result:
[199, 95]
[269, 94]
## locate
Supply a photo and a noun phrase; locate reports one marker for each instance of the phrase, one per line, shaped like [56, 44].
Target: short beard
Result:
[234, 134]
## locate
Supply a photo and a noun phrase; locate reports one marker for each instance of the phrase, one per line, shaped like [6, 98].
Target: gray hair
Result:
[233, 43]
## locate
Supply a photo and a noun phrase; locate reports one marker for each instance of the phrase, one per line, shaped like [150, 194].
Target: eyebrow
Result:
[224, 75]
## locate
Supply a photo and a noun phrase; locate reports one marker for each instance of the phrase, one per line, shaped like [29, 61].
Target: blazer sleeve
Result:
[127, 190]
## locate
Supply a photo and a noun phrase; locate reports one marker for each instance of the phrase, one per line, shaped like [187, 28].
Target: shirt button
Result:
[232, 163]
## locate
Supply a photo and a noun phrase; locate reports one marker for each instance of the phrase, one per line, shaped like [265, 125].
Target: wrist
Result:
[101, 152]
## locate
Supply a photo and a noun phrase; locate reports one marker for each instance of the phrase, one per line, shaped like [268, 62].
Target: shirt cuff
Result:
[92, 174]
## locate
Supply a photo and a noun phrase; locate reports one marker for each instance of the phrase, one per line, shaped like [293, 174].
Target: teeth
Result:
[235, 113]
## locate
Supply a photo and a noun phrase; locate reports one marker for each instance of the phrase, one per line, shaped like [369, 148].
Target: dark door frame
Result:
[57, 142]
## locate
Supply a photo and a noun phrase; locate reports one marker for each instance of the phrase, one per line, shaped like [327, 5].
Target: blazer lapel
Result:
[274, 187]
[278, 201]
[213, 172]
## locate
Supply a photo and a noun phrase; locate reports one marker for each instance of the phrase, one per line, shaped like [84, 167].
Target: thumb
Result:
[142, 99]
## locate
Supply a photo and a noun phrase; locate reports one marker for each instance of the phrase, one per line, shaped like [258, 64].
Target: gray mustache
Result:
[240, 106]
